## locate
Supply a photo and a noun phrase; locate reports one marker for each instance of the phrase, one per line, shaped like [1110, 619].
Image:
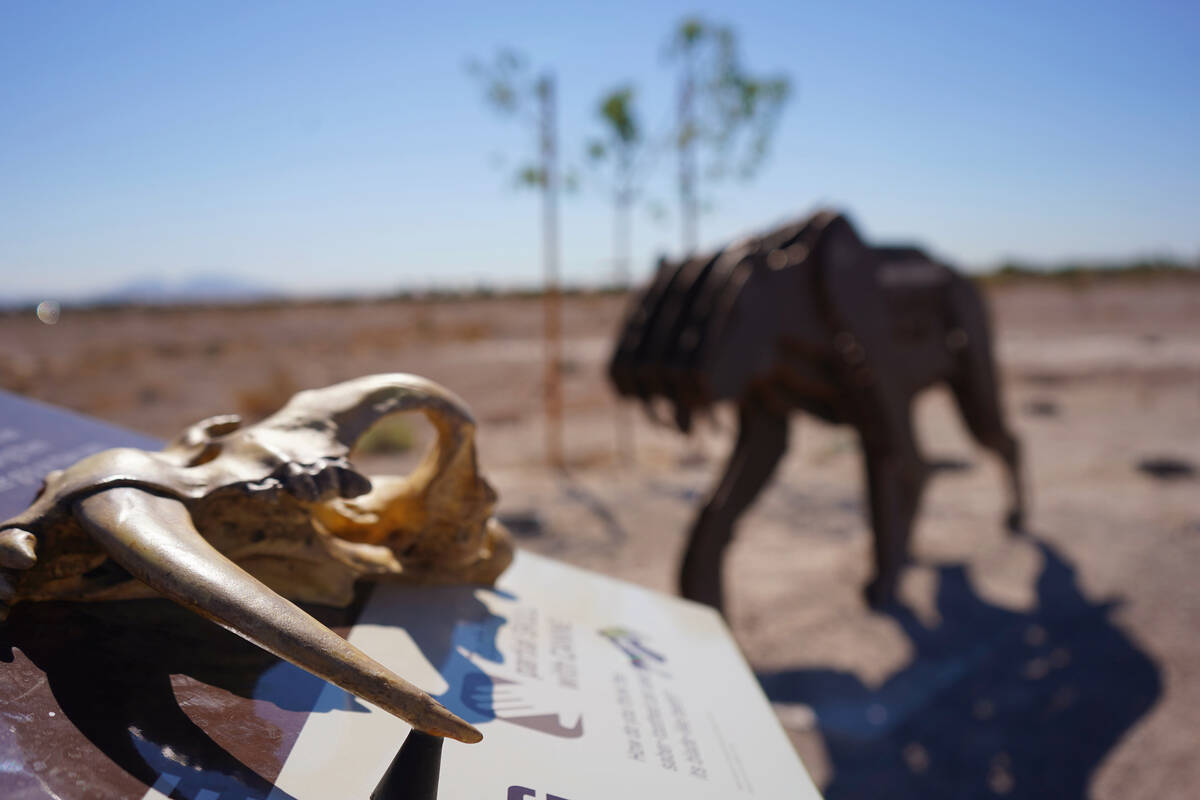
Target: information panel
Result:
[585, 688]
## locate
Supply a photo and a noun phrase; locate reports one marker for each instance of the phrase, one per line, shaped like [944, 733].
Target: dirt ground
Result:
[1064, 662]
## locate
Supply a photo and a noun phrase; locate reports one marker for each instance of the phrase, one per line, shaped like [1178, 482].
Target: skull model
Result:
[228, 521]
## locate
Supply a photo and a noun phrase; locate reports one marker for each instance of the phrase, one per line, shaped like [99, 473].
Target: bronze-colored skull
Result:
[229, 520]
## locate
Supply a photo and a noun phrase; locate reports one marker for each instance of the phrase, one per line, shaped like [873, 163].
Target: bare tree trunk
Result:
[550, 259]
[622, 274]
[689, 208]
[622, 238]
[689, 205]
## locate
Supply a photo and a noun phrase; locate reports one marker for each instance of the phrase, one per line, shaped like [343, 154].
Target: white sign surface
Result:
[585, 688]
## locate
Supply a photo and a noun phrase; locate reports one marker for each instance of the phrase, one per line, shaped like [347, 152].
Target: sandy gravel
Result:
[1064, 663]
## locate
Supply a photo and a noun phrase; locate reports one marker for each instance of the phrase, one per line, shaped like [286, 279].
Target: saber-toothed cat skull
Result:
[228, 521]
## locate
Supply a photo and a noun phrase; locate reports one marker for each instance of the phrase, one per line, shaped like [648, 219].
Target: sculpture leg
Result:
[1006, 446]
[896, 475]
[976, 391]
[761, 443]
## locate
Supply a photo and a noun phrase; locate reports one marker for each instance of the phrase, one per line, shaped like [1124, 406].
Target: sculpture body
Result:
[228, 521]
[809, 318]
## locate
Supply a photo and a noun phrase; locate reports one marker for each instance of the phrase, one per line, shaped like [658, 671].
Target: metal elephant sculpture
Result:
[809, 318]
[229, 520]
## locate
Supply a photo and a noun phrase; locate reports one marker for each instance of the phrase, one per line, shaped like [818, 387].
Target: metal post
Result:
[413, 773]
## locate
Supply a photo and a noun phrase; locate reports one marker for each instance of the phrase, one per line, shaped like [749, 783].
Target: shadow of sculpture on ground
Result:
[598, 530]
[462, 643]
[995, 702]
[456, 641]
[614, 531]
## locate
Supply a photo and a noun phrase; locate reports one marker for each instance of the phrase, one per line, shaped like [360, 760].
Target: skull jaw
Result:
[439, 531]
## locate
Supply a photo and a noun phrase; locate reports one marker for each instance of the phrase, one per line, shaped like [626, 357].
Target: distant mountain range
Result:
[210, 288]
[151, 290]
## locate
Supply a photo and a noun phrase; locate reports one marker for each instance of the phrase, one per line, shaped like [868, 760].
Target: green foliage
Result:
[505, 81]
[509, 88]
[1081, 274]
[621, 141]
[616, 109]
[733, 113]
[531, 176]
[690, 31]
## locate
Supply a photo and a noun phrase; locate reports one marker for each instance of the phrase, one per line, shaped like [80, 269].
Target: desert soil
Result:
[1065, 661]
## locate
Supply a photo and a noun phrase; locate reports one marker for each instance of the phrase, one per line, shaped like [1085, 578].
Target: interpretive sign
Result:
[583, 686]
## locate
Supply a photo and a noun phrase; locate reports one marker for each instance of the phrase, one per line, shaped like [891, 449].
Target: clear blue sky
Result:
[342, 147]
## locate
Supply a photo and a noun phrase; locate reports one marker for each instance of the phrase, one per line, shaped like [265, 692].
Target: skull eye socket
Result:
[204, 432]
[223, 425]
[206, 454]
[402, 439]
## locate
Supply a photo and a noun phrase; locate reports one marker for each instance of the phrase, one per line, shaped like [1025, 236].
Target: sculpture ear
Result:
[154, 539]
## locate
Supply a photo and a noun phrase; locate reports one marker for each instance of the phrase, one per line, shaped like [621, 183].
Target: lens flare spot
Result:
[48, 312]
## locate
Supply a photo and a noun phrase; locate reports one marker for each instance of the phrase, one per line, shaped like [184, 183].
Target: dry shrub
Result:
[263, 400]
[510, 416]
[150, 394]
[424, 326]
[467, 332]
[374, 339]
[16, 376]
[107, 359]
